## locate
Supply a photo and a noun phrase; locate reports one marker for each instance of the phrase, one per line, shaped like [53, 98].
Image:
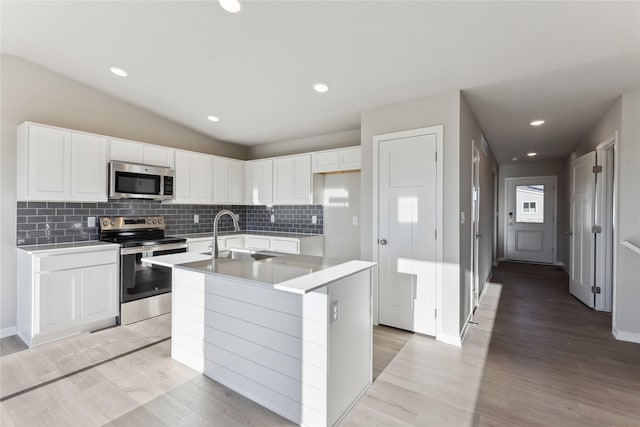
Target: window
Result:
[529, 207]
[530, 204]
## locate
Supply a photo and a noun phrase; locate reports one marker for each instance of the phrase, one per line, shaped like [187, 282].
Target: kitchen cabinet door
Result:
[88, 167]
[158, 156]
[220, 180]
[350, 159]
[326, 161]
[193, 178]
[235, 181]
[260, 182]
[58, 305]
[99, 293]
[127, 151]
[49, 163]
[292, 180]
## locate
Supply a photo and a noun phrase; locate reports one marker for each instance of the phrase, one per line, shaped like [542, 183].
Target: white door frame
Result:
[606, 181]
[555, 212]
[438, 130]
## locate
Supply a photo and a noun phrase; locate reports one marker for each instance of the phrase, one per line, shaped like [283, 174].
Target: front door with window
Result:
[530, 219]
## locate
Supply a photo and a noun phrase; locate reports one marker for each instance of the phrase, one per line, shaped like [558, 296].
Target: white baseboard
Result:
[450, 339]
[485, 287]
[626, 336]
[7, 332]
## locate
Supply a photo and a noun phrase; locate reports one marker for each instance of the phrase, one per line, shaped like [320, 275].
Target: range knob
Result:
[105, 222]
[148, 221]
[159, 220]
[113, 222]
[154, 221]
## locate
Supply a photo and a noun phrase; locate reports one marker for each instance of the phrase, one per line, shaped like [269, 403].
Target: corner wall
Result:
[435, 110]
[470, 133]
[31, 92]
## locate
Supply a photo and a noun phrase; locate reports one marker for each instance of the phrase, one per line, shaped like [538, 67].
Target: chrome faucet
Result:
[214, 244]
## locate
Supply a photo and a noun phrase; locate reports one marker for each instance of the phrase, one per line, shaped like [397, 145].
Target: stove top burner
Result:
[135, 231]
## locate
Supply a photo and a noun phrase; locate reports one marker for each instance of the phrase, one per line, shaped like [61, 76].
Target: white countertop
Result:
[290, 273]
[206, 236]
[175, 259]
[60, 247]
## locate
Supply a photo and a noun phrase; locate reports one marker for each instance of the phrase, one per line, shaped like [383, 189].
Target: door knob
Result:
[478, 236]
[568, 233]
[382, 242]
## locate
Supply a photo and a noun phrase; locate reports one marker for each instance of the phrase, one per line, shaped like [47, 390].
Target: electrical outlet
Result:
[354, 220]
[196, 218]
[314, 219]
[273, 218]
[91, 221]
[334, 312]
[237, 217]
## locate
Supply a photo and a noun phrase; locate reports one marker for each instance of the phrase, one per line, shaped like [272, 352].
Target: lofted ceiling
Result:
[515, 61]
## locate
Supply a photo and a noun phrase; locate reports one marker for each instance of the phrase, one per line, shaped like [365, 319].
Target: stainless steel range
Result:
[144, 288]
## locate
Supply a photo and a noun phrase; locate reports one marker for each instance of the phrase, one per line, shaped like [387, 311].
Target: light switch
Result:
[462, 218]
[314, 219]
[196, 218]
[91, 221]
[273, 218]
[354, 220]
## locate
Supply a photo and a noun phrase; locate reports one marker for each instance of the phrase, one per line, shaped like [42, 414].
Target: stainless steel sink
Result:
[245, 255]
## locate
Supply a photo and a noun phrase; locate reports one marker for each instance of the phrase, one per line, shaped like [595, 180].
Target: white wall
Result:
[304, 145]
[31, 92]
[626, 316]
[526, 168]
[623, 116]
[341, 237]
[470, 132]
[443, 110]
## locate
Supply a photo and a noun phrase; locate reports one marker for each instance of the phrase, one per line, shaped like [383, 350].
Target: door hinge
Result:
[596, 229]
[435, 312]
[595, 289]
[436, 156]
[597, 169]
[435, 233]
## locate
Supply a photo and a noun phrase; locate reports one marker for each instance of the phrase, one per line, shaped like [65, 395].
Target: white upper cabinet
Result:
[292, 180]
[336, 160]
[227, 180]
[57, 164]
[88, 167]
[158, 156]
[137, 152]
[126, 151]
[260, 182]
[193, 178]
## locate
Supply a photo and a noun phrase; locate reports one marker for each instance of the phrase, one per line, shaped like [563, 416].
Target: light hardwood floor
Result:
[535, 357]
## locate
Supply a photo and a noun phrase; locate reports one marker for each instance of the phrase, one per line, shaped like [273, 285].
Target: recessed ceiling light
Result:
[213, 118]
[532, 154]
[321, 87]
[537, 122]
[514, 158]
[231, 6]
[118, 71]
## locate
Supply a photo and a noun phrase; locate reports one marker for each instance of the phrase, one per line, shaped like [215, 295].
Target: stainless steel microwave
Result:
[137, 181]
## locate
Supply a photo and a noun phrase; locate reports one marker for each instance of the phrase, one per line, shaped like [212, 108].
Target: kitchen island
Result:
[291, 332]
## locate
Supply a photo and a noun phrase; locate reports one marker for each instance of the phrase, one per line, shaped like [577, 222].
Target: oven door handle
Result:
[152, 248]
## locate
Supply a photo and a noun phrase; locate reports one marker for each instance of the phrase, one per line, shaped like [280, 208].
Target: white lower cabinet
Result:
[62, 292]
[305, 244]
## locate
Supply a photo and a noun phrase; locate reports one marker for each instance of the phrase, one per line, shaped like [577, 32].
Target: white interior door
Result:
[475, 226]
[582, 238]
[406, 236]
[530, 217]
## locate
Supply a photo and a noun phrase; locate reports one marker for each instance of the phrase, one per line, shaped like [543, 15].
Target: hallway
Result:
[536, 356]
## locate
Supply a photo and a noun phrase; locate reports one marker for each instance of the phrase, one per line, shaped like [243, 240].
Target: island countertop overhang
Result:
[297, 274]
